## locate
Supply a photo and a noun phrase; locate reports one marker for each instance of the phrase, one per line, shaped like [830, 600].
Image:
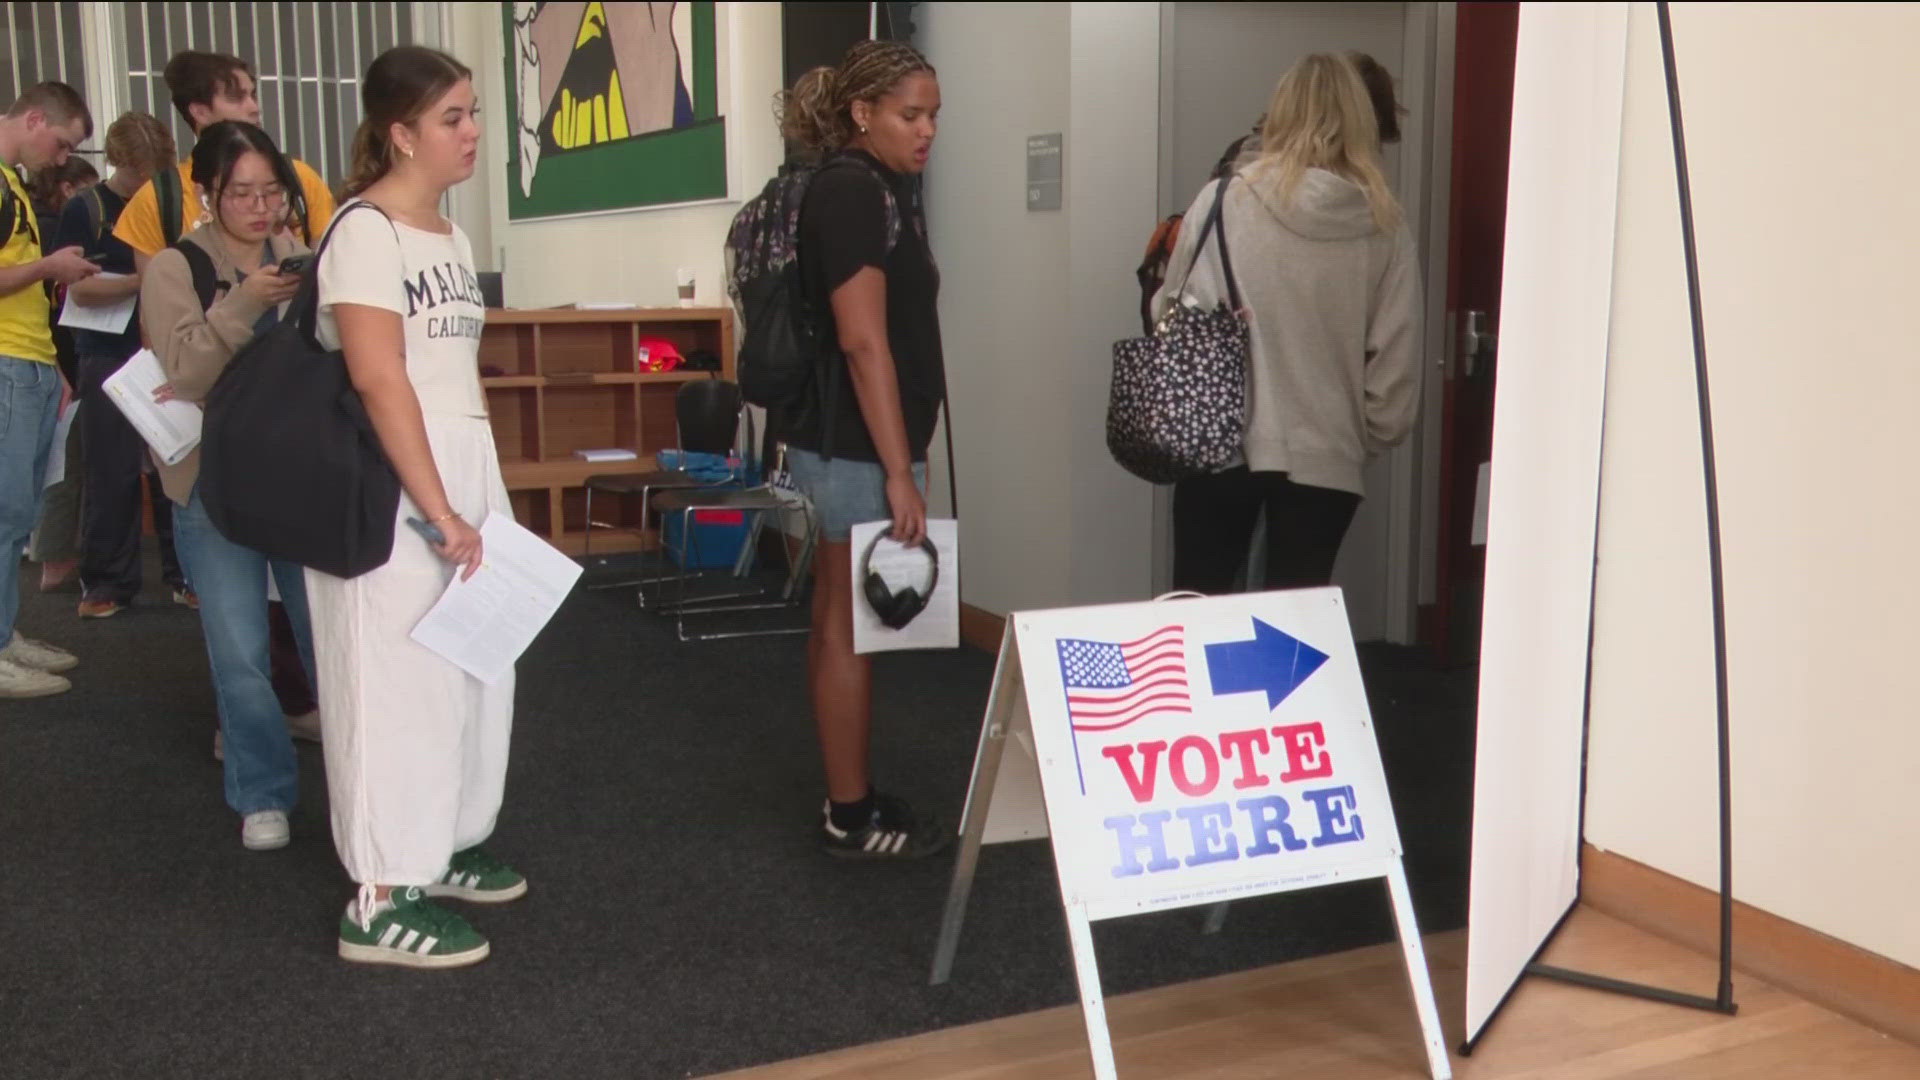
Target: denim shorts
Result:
[844, 492]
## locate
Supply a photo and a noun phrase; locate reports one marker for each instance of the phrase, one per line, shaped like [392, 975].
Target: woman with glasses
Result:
[252, 193]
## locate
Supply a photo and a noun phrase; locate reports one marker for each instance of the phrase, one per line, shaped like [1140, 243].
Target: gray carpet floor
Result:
[661, 800]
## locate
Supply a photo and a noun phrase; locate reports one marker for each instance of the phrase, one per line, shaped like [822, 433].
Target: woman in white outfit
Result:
[416, 748]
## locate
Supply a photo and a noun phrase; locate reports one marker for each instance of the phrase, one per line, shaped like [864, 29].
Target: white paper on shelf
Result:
[105, 318]
[936, 627]
[172, 428]
[484, 623]
[57, 457]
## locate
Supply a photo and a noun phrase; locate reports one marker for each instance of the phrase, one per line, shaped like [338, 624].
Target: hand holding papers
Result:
[484, 623]
[171, 428]
[936, 627]
[111, 318]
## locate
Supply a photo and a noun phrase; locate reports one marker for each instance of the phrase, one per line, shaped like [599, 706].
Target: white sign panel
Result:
[1189, 752]
[1197, 751]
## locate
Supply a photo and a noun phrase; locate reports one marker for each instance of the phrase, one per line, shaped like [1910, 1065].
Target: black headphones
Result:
[896, 609]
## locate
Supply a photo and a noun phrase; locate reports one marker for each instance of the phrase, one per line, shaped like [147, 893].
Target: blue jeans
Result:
[845, 492]
[261, 772]
[29, 409]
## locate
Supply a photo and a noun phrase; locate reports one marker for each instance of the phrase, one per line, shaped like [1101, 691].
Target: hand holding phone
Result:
[428, 531]
[296, 264]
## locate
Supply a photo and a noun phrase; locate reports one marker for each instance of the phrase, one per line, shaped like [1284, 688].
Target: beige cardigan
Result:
[195, 345]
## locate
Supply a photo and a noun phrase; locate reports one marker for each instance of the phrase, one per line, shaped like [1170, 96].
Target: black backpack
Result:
[290, 465]
[782, 338]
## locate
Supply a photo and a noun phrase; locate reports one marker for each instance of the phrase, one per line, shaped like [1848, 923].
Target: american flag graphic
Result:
[1112, 685]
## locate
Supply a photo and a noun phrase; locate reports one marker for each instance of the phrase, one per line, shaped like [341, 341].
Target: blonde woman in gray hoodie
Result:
[1328, 274]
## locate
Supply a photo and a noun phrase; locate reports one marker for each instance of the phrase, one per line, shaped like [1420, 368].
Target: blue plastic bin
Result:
[718, 535]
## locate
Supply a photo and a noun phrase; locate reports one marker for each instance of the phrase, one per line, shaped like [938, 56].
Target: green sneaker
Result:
[477, 876]
[411, 931]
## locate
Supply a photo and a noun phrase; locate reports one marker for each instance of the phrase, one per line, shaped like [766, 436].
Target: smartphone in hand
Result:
[296, 264]
[428, 531]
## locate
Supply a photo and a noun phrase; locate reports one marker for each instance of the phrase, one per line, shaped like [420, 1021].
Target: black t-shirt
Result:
[78, 228]
[843, 229]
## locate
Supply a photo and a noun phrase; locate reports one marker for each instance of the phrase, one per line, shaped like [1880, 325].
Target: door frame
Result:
[1425, 192]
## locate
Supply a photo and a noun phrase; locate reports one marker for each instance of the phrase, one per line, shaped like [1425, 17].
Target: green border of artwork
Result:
[683, 165]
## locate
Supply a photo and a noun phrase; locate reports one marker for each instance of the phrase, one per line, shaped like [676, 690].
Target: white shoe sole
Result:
[376, 954]
[37, 690]
[57, 666]
[266, 843]
[475, 896]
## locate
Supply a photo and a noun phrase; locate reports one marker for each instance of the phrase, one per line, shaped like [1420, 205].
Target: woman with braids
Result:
[860, 455]
[245, 239]
[416, 748]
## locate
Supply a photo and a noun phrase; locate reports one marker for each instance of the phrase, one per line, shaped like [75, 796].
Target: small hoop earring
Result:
[407, 150]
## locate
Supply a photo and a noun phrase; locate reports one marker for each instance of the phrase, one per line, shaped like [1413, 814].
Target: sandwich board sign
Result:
[1188, 752]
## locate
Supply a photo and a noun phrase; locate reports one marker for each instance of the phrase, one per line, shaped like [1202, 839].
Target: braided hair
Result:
[816, 116]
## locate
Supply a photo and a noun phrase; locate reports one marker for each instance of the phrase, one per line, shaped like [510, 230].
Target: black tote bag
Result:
[290, 465]
[1177, 404]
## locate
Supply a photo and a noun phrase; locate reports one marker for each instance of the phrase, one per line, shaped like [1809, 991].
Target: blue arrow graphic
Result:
[1273, 661]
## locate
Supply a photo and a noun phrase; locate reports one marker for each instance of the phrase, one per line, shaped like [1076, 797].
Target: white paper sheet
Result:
[483, 624]
[937, 627]
[105, 318]
[172, 429]
[57, 458]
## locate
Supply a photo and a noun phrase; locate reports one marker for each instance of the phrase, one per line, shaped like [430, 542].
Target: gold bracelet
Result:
[448, 516]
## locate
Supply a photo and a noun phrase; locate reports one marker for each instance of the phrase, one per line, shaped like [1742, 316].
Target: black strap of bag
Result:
[1216, 229]
[304, 308]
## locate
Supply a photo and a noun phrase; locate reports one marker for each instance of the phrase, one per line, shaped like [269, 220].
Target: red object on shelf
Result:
[657, 354]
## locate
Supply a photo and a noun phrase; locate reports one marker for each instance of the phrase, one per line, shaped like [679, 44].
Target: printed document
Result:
[484, 623]
[901, 567]
[104, 318]
[173, 428]
[57, 457]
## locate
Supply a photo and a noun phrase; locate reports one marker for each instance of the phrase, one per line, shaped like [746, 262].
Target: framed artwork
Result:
[613, 106]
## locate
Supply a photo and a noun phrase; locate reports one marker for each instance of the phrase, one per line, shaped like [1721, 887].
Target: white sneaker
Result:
[264, 830]
[19, 681]
[38, 655]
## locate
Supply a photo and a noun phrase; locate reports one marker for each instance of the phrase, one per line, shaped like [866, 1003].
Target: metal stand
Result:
[1722, 1002]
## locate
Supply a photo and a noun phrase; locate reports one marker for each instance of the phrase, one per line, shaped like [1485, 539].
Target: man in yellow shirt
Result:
[207, 88]
[44, 125]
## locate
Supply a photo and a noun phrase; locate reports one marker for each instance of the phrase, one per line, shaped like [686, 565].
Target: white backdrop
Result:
[1569, 81]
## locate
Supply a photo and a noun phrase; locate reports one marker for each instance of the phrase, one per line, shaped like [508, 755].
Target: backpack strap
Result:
[96, 211]
[206, 279]
[167, 196]
[9, 211]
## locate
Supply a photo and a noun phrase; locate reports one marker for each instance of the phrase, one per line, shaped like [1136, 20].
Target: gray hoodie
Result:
[1335, 368]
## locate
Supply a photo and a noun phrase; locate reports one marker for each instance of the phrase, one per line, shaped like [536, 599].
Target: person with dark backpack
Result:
[117, 469]
[201, 300]
[857, 433]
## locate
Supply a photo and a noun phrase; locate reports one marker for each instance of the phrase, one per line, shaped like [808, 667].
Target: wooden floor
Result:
[1350, 1017]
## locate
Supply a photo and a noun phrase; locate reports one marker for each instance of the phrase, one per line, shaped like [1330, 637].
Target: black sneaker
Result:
[895, 832]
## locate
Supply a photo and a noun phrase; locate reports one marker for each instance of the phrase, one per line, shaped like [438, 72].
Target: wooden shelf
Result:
[561, 316]
[539, 475]
[569, 383]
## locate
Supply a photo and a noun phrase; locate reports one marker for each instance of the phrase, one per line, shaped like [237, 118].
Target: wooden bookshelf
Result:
[559, 380]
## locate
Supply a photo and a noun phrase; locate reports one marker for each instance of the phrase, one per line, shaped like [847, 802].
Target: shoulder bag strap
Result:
[1215, 227]
[167, 197]
[304, 309]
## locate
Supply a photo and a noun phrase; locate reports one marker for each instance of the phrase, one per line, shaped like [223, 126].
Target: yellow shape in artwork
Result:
[601, 116]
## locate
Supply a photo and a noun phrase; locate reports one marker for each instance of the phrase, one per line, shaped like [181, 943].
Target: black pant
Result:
[116, 459]
[1213, 519]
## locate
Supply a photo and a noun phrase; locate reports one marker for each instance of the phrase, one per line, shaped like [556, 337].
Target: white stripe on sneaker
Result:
[406, 943]
[899, 841]
[426, 945]
[393, 931]
[471, 880]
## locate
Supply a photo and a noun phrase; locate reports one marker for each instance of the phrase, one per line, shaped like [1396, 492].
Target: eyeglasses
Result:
[263, 197]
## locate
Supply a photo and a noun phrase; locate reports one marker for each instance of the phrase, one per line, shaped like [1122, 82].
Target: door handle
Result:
[1476, 342]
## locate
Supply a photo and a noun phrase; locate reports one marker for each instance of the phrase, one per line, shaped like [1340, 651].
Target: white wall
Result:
[1003, 293]
[1802, 174]
[629, 256]
[1031, 302]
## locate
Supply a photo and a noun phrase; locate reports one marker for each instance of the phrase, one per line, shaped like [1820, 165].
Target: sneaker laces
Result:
[363, 907]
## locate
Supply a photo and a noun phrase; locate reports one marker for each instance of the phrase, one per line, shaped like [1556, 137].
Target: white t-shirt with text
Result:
[428, 280]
